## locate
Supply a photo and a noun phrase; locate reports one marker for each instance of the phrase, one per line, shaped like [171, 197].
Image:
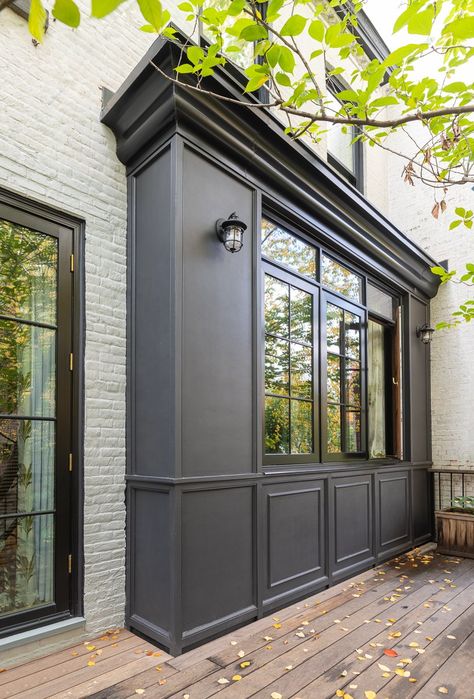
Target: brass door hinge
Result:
[69, 564]
[70, 462]
[71, 262]
[71, 362]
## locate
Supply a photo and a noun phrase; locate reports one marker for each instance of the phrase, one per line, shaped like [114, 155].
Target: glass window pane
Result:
[26, 465]
[376, 391]
[340, 279]
[277, 361]
[352, 384]
[301, 427]
[334, 320]
[26, 573]
[334, 429]
[301, 371]
[334, 379]
[283, 247]
[379, 302]
[339, 143]
[353, 437]
[301, 316]
[277, 307]
[277, 425]
[352, 335]
[27, 369]
[28, 269]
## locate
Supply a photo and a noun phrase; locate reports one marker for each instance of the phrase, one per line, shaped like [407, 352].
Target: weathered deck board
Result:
[426, 601]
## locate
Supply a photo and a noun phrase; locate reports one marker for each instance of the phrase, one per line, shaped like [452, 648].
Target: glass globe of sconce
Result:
[230, 232]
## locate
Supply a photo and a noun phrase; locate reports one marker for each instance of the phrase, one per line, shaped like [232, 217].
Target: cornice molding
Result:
[147, 109]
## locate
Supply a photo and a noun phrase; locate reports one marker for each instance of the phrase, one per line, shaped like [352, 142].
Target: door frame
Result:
[49, 220]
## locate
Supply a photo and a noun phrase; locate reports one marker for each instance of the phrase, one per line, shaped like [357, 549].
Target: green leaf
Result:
[454, 224]
[462, 28]
[256, 82]
[186, 7]
[440, 271]
[421, 22]
[398, 56]
[460, 211]
[283, 79]
[102, 8]
[316, 30]
[405, 16]
[253, 32]
[236, 7]
[67, 12]
[152, 11]
[287, 60]
[293, 26]
[384, 101]
[273, 8]
[185, 68]
[195, 54]
[37, 20]
[455, 87]
[336, 38]
[273, 55]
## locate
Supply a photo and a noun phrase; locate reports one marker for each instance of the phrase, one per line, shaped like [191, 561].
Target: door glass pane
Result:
[277, 425]
[301, 310]
[301, 427]
[352, 384]
[28, 267]
[27, 555]
[352, 335]
[339, 278]
[334, 319]
[353, 440]
[376, 391]
[26, 465]
[28, 292]
[284, 247]
[301, 371]
[27, 369]
[334, 429]
[334, 379]
[277, 364]
[277, 307]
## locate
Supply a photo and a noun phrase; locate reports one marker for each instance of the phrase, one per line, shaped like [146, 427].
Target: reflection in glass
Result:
[352, 384]
[334, 379]
[334, 321]
[340, 279]
[352, 335]
[27, 369]
[26, 465]
[334, 444]
[281, 246]
[353, 442]
[301, 371]
[277, 362]
[277, 425]
[26, 549]
[339, 138]
[277, 306]
[301, 316]
[301, 427]
[28, 265]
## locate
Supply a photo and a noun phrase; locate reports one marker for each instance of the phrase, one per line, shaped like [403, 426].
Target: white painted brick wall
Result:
[53, 148]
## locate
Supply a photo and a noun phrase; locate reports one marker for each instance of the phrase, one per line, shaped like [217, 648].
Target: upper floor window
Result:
[343, 154]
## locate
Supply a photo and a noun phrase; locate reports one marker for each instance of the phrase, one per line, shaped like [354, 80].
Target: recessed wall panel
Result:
[353, 525]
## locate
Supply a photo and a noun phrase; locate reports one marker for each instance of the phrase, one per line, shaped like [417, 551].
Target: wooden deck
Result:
[405, 629]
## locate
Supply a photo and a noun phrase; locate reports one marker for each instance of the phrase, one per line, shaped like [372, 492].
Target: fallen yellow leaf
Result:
[245, 664]
[236, 678]
[91, 663]
[277, 626]
[90, 647]
[384, 668]
[240, 654]
[276, 695]
[222, 680]
[370, 695]
[442, 690]
[139, 691]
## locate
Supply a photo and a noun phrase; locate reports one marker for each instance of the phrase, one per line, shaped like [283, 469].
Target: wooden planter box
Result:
[455, 533]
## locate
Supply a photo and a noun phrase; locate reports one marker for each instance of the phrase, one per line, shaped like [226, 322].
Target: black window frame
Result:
[334, 85]
[68, 504]
[277, 269]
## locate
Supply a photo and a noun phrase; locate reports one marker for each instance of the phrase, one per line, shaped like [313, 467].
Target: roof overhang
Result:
[149, 107]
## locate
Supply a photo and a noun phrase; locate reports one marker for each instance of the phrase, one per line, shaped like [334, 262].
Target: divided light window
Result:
[357, 406]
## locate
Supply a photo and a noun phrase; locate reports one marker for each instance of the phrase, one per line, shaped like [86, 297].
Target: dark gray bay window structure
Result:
[278, 415]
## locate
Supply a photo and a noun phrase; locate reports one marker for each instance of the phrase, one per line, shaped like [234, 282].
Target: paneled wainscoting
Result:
[404, 629]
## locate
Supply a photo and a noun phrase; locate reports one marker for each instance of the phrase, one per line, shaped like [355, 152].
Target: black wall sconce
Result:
[425, 333]
[230, 232]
